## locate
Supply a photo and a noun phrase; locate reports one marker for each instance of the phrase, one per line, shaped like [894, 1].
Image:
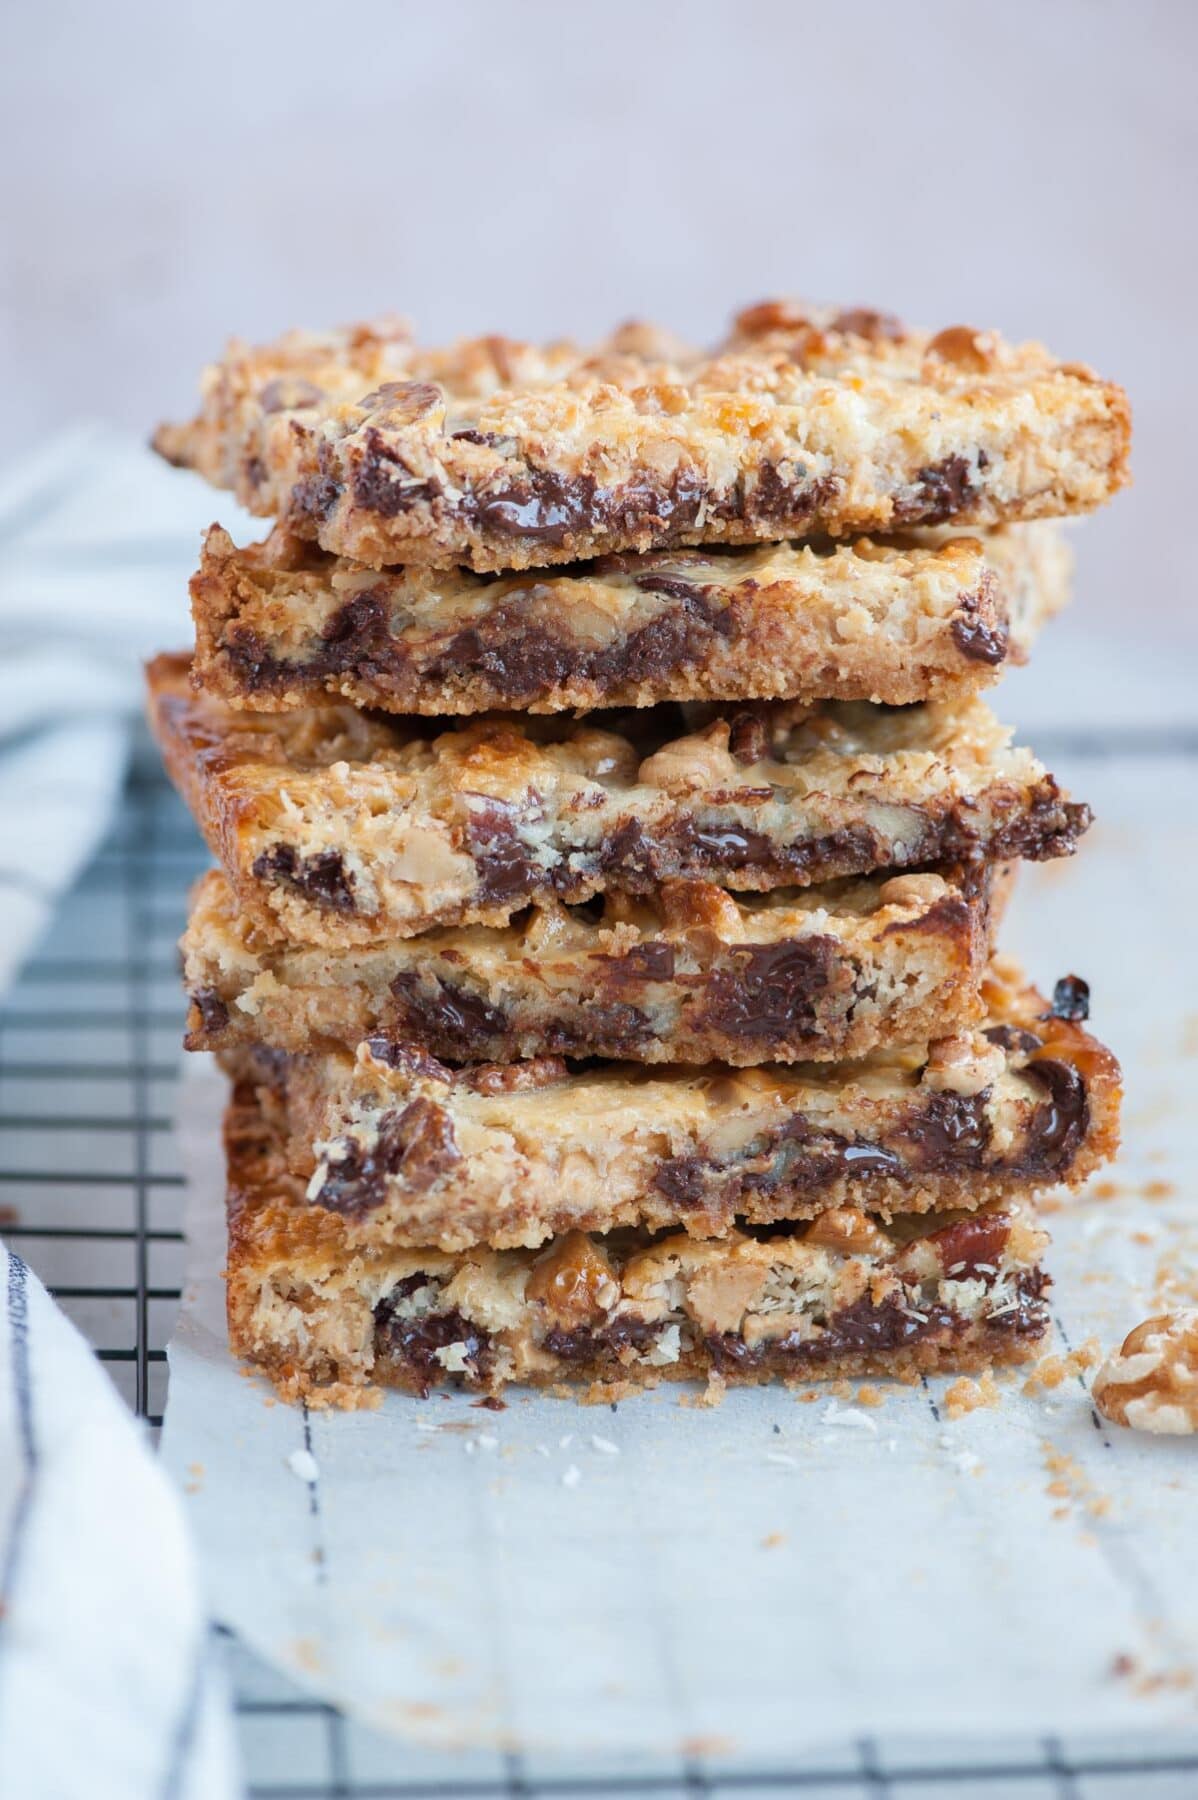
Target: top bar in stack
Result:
[497, 455]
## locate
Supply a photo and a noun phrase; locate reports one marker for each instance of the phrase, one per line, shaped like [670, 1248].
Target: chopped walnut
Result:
[912, 890]
[962, 1064]
[691, 764]
[1151, 1383]
[847, 1229]
[688, 905]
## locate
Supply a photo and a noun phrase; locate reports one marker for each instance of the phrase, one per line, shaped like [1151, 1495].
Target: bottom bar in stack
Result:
[871, 1217]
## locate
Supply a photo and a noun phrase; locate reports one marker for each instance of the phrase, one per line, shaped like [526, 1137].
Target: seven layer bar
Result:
[416, 921]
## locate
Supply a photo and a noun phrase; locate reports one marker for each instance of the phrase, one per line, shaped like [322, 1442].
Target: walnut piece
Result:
[1151, 1383]
[962, 1064]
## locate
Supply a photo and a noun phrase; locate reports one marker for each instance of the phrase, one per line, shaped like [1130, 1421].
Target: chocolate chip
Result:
[944, 489]
[457, 1023]
[537, 504]
[322, 878]
[416, 1144]
[950, 1131]
[214, 1014]
[600, 1344]
[775, 497]
[412, 1344]
[504, 868]
[1060, 1124]
[643, 962]
[1071, 999]
[361, 621]
[1013, 1039]
[382, 481]
[766, 991]
[979, 641]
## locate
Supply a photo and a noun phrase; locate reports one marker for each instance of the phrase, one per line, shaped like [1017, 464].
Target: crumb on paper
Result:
[709, 1744]
[773, 1540]
[603, 1445]
[870, 1396]
[1104, 1190]
[306, 1652]
[1158, 1189]
[303, 1464]
[835, 1414]
[966, 1395]
[1051, 1371]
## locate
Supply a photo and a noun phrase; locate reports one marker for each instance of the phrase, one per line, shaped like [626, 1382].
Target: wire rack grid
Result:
[91, 1194]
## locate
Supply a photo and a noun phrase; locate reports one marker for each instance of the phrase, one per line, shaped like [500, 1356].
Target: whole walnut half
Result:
[1151, 1383]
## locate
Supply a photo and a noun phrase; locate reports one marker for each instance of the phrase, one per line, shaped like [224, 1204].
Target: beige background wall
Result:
[174, 172]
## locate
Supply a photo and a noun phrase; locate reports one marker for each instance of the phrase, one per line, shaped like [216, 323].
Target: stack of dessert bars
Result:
[611, 839]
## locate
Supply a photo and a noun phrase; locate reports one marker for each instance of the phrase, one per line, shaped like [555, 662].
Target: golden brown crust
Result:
[689, 974]
[328, 1319]
[281, 624]
[501, 455]
[341, 828]
[409, 1152]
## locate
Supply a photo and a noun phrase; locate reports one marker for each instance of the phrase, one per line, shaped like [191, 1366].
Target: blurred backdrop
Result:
[175, 172]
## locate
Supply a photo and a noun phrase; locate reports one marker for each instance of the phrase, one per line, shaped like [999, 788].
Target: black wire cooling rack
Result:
[90, 1192]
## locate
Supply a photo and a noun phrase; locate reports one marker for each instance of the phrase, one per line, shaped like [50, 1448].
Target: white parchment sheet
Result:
[772, 1576]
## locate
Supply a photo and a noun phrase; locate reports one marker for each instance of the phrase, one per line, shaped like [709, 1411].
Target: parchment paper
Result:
[774, 1575]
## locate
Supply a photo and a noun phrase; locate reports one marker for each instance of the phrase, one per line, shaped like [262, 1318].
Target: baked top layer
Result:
[408, 1151]
[687, 974]
[496, 454]
[282, 624]
[328, 1319]
[337, 827]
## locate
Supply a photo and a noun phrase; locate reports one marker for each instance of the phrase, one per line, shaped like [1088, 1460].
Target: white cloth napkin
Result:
[107, 1688]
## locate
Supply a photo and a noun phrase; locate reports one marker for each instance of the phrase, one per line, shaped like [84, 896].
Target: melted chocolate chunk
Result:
[612, 1030]
[979, 641]
[600, 1344]
[359, 624]
[1060, 1123]
[323, 878]
[768, 990]
[795, 1159]
[951, 1131]
[412, 1345]
[774, 497]
[644, 962]
[314, 497]
[214, 1014]
[521, 659]
[715, 846]
[454, 1021]
[944, 489]
[383, 482]
[1012, 1039]
[416, 1143]
[505, 872]
[1071, 999]
[537, 504]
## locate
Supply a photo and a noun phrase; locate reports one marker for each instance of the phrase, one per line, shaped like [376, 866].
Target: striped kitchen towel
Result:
[109, 1687]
